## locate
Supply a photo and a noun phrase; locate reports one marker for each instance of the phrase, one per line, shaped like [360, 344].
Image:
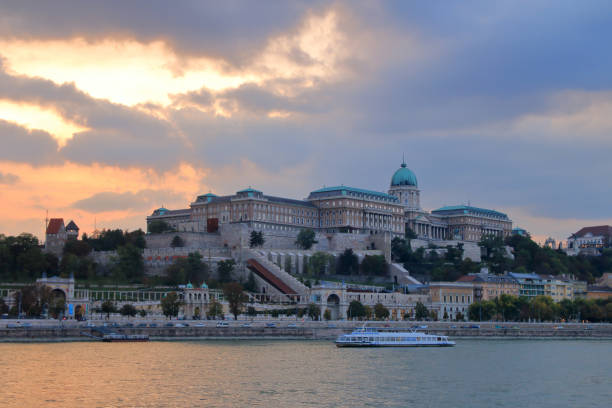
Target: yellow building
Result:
[451, 298]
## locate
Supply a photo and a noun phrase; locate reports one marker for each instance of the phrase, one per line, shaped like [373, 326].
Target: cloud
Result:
[8, 178]
[232, 30]
[138, 201]
[30, 146]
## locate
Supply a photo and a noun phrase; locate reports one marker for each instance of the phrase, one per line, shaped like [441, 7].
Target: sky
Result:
[111, 109]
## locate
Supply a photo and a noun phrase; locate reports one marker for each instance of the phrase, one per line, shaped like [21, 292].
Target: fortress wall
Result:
[191, 240]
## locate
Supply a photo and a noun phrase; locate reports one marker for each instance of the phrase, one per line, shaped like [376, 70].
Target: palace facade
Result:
[341, 209]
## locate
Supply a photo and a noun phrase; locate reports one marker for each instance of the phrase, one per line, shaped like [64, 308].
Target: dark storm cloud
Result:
[234, 30]
[139, 201]
[35, 147]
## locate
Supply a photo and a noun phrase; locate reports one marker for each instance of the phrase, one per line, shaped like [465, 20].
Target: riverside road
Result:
[51, 330]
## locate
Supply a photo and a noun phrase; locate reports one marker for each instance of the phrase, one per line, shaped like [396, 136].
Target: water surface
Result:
[475, 373]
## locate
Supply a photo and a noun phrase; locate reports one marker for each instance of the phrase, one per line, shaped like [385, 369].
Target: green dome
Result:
[189, 286]
[404, 177]
[204, 285]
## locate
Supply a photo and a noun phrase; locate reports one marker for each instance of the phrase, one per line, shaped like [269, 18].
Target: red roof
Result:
[467, 278]
[54, 225]
[604, 230]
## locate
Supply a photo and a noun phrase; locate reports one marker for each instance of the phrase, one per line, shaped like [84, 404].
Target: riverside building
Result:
[341, 209]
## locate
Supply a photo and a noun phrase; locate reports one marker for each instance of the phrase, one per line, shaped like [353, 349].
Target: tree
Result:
[257, 239]
[3, 306]
[251, 311]
[76, 247]
[380, 311]
[108, 307]
[215, 309]
[225, 269]
[235, 298]
[459, 317]
[374, 265]
[177, 242]
[356, 310]
[348, 263]
[142, 313]
[314, 311]
[251, 284]
[158, 226]
[128, 310]
[129, 263]
[420, 311]
[327, 314]
[288, 265]
[170, 305]
[189, 269]
[306, 239]
[320, 262]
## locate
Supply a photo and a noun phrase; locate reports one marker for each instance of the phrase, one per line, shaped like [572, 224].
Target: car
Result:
[142, 325]
[292, 325]
[423, 326]
[558, 327]
[153, 325]
[26, 324]
[453, 326]
[13, 325]
[270, 324]
[245, 325]
[475, 326]
[5, 316]
[179, 325]
[91, 324]
[222, 324]
[169, 325]
[128, 325]
[331, 326]
[199, 325]
[515, 327]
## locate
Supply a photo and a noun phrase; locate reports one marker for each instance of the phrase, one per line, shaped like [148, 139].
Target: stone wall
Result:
[190, 239]
[470, 249]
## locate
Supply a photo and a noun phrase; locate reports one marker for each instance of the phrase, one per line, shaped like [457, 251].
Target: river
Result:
[262, 373]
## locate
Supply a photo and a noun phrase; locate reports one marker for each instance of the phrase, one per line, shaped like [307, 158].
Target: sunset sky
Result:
[110, 109]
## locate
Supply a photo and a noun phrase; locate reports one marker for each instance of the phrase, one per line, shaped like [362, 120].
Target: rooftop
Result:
[345, 189]
[54, 226]
[466, 209]
[599, 230]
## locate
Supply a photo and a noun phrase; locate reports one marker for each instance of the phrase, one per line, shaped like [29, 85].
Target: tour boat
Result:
[373, 337]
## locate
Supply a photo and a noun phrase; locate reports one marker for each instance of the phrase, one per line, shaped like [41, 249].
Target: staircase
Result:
[403, 276]
[278, 278]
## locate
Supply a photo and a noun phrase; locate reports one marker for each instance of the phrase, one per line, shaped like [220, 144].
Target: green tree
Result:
[142, 313]
[356, 310]
[189, 269]
[374, 265]
[177, 242]
[129, 263]
[128, 310]
[380, 311]
[420, 311]
[327, 314]
[348, 263]
[306, 239]
[170, 305]
[158, 227]
[235, 297]
[288, 266]
[320, 262]
[314, 311]
[108, 307]
[215, 309]
[257, 239]
[251, 311]
[225, 269]
[251, 284]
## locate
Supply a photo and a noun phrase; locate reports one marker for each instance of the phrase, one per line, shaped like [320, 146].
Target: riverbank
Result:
[73, 331]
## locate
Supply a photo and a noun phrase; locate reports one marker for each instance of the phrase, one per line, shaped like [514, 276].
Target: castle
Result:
[340, 209]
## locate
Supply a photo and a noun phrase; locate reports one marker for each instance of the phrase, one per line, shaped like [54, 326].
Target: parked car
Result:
[292, 325]
[245, 325]
[179, 325]
[142, 325]
[270, 324]
[169, 325]
[199, 325]
[331, 326]
[128, 325]
[222, 324]
[153, 325]
[475, 326]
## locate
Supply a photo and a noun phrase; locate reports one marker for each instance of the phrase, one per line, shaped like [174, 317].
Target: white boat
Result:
[373, 337]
